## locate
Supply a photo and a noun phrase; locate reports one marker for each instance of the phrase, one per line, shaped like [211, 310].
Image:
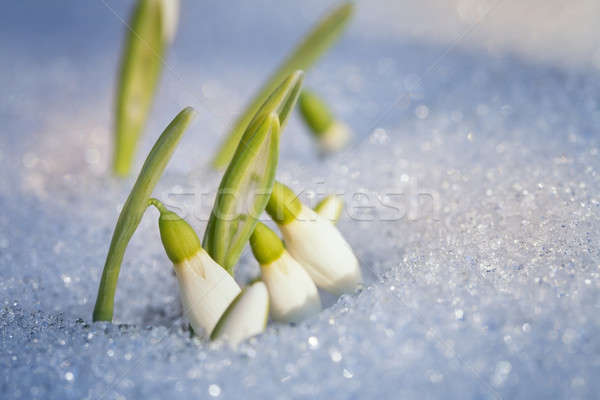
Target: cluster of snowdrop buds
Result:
[330, 133]
[316, 253]
[212, 301]
[314, 242]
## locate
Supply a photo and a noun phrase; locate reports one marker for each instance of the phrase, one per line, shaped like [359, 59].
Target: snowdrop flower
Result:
[293, 294]
[246, 316]
[170, 18]
[330, 208]
[331, 134]
[206, 289]
[314, 242]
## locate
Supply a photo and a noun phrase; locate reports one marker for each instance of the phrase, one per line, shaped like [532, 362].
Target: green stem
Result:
[157, 204]
[133, 210]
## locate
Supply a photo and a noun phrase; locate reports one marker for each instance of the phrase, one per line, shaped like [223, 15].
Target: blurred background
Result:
[59, 59]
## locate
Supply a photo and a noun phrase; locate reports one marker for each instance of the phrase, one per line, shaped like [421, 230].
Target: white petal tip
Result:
[170, 14]
[294, 296]
[320, 248]
[247, 315]
[206, 291]
[346, 284]
[335, 138]
[298, 314]
[330, 208]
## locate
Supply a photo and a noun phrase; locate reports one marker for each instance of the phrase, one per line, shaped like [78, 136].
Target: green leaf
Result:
[248, 181]
[134, 208]
[314, 44]
[315, 112]
[141, 66]
[243, 193]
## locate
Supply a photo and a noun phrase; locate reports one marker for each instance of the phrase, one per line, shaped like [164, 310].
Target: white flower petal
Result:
[247, 316]
[330, 208]
[206, 291]
[293, 294]
[335, 137]
[320, 248]
[170, 14]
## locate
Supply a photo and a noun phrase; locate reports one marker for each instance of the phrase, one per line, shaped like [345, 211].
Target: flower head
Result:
[206, 289]
[246, 316]
[330, 133]
[293, 293]
[314, 242]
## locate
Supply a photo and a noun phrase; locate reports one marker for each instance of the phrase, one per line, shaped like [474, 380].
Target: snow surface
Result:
[472, 203]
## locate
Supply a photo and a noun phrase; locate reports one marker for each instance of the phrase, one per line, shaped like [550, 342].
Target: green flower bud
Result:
[283, 206]
[266, 245]
[330, 133]
[178, 237]
[315, 112]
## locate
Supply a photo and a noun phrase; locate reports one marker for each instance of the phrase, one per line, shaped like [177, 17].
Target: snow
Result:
[472, 199]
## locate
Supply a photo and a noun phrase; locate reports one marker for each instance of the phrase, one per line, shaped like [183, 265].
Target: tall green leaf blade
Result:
[140, 70]
[134, 208]
[314, 44]
[243, 193]
[247, 183]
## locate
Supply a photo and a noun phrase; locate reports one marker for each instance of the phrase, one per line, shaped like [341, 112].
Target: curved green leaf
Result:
[134, 208]
[314, 44]
[248, 181]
